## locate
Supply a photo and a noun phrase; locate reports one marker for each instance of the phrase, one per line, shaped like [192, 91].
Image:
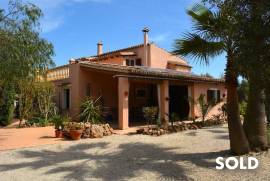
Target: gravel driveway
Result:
[187, 155]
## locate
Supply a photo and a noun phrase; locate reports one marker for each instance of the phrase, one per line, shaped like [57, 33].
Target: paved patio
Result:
[13, 138]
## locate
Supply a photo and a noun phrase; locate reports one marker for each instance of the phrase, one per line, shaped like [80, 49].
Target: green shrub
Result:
[158, 122]
[91, 111]
[204, 106]
[59, 121]
[174, 117]
[7, 116]
[39, 122]
[73, 126]
[150, 114]
[243, 108]
[7, 105]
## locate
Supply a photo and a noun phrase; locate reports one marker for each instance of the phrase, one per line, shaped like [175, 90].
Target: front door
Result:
[179, 102]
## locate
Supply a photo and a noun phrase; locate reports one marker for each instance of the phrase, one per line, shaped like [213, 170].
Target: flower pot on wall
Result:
[58, 133]
[76, 134]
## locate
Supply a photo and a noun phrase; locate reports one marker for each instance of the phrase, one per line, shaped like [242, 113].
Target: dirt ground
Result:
[186, 155]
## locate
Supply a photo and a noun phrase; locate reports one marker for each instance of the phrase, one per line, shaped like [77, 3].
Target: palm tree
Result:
[252, 41]
[211, 37]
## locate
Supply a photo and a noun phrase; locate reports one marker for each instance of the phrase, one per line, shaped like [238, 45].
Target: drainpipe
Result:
[145, 44]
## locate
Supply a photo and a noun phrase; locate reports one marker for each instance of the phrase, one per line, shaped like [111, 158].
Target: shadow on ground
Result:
[213, 130]
[193, 133]
[81, 163]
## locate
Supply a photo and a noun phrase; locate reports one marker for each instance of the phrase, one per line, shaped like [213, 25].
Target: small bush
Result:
[59, 121]
[158, 122]
[204, 106]
[150, 114]
[243, 108]
[174, 117]
[7, 116]
[91, 111]
[73, 126]
[39, 122]
[7, 108]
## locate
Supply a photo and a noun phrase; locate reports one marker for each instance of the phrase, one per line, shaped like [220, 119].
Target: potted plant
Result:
[59, 122]
[76, 130]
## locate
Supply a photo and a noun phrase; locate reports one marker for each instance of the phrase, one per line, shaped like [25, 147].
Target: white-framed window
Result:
[133, 62]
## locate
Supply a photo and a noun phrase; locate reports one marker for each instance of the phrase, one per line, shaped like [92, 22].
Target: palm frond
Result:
[197, 47]
[205, 22]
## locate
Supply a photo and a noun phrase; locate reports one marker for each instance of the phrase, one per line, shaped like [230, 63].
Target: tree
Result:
[23, 53]
[252, 42]
[212, 35]
[26, 94]
[44, 96]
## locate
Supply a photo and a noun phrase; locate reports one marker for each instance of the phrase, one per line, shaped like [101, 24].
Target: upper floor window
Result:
[134, 62]
[139, 62]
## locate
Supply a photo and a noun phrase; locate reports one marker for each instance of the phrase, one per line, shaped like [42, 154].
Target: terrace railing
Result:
[58, 73]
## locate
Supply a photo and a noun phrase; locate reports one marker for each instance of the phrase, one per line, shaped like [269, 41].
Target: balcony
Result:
[58, 73]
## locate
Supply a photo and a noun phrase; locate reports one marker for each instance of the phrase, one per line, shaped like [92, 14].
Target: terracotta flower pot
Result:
[76, 134]
[58, 133]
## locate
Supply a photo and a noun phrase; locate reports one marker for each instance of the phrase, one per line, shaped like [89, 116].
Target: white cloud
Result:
[49, 24]
[52, 19]
[160, 37]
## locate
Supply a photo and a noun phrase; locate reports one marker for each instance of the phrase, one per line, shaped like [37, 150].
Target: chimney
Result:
[99, 48]
[145, 44]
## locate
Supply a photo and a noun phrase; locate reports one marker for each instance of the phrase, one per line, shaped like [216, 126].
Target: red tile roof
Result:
[149, 72]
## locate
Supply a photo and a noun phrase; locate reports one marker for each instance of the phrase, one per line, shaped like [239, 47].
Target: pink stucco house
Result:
[131, 78]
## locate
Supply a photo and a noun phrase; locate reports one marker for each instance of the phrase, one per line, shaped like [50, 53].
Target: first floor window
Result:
[213, 96]
[88, 90]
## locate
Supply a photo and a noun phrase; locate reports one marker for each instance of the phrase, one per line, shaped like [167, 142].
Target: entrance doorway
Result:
[141, 94]
[179, 103]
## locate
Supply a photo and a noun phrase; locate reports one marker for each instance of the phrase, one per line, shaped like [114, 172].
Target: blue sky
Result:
[75, 26]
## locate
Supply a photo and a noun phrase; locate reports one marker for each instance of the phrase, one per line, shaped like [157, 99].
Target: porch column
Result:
[75, 96]
[164, 102]
[192, 100]
[123, 94]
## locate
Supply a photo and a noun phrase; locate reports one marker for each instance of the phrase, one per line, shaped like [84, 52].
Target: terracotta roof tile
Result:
[147, 71]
